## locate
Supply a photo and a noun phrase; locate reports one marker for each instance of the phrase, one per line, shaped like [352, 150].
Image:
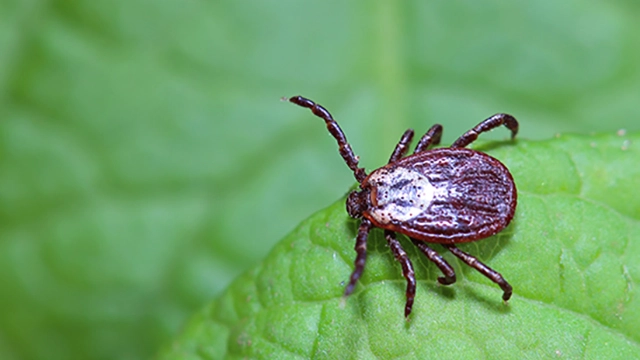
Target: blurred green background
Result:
[146, 159]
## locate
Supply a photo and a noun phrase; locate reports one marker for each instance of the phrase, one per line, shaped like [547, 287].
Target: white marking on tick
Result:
[400, 203]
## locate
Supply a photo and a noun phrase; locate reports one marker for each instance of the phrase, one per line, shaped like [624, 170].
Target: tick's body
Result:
[442, 196]
[446, 196]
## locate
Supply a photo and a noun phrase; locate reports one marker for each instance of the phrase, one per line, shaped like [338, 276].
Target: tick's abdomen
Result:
[445, 195]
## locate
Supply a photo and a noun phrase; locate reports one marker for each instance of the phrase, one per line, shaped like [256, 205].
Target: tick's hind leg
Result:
[361, 255]
[430, 138]
[402, 146]
[449, 274]
[483, 269]
[488, 124]
[407, 269]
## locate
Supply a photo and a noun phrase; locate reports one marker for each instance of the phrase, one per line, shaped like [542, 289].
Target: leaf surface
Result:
[570, 254]
[145, 160]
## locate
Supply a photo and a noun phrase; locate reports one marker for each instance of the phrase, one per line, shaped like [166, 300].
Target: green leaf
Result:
[145, 160]
[570, 253]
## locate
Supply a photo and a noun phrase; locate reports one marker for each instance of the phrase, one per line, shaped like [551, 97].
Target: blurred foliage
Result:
[146, 161]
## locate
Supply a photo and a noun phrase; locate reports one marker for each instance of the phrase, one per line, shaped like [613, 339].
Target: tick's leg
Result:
[345, 149]
[449, 274]
[361, 255]
[483, 269]
[432, 137]
[491, 123]
[407, 269]
[402, 146]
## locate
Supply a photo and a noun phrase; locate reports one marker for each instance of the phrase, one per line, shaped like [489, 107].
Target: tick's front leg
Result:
[361, 255]
[334, 129]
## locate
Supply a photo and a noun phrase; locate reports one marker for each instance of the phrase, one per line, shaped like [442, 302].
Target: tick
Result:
[444, 196]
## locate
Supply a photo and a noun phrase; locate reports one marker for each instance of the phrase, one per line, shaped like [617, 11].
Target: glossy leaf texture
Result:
[570, 253]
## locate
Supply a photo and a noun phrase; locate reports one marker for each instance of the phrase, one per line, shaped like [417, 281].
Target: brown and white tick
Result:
[445, 196]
